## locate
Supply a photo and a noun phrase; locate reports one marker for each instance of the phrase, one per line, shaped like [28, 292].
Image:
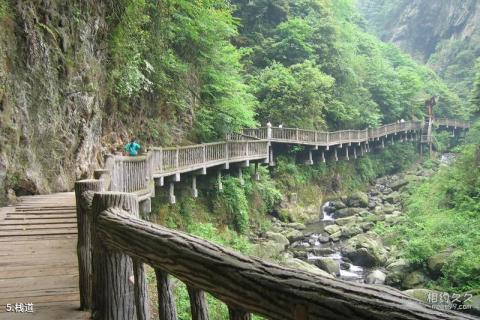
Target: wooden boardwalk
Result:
[38, 262]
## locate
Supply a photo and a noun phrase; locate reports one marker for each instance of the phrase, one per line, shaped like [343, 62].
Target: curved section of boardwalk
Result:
[38, 262]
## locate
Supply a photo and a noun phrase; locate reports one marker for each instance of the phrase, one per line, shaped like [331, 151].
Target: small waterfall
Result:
[327, 215]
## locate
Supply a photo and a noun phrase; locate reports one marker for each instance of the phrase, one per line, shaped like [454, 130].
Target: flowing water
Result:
[318, 239]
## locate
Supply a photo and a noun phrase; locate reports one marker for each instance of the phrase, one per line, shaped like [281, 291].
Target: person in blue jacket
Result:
[132, 147]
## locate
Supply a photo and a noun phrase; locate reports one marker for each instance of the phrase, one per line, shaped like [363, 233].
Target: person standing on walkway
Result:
[132, 147]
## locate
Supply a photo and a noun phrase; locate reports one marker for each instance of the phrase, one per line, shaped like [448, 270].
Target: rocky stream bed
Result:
[341, 242]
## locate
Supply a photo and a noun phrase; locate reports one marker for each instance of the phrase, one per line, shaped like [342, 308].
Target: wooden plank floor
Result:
[38, 261]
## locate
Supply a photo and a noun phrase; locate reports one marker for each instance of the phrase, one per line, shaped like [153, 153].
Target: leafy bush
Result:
[234, 200]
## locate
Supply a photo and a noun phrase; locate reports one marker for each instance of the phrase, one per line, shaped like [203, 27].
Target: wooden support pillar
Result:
[346, 153]
[84, 191]
[113, 292]
[323, 157]
[383, 143]
[219, 180]
[145, 207]
[194, 187]
[167, 309]
[270, 157]
[310, 157]
[336, 155]
[256, 174]
[355, 152]
[159, 182]
[240, 176]
[392, 141]
[171, 193]
[362, 151]
[198, 304]
[235, 313]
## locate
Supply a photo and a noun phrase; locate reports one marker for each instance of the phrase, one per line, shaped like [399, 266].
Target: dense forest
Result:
[79, 79]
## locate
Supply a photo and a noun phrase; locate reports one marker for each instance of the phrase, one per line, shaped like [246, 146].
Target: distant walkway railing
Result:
[136, 174]
[323, 138]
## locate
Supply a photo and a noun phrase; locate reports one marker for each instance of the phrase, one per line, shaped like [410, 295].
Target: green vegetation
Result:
[311, 65]
[178, 55]
[443, 215]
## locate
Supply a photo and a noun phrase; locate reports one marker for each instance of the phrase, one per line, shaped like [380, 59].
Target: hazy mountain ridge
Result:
[443, 34]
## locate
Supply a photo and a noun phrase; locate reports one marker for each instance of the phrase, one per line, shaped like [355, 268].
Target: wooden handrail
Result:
[250, 284]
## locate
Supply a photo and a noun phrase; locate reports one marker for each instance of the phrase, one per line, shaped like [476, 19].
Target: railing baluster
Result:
[140, 291]
[112, 288]
[236, 313]
[198, 304]
[167, 309]
[84, 190]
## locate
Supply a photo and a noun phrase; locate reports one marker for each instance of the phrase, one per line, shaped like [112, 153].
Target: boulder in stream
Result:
[375, 277]
[329, 265]
[365, 250]
[305, 266]
[347, 212]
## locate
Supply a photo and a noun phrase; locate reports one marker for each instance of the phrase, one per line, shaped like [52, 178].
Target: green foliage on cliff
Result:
[177, 55]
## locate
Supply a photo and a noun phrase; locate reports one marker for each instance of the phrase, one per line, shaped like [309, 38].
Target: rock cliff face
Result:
[443, 34]
[52, 79]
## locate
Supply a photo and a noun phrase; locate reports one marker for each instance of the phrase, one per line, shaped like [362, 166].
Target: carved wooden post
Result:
[235, 313]
[198, 304]
[112, 287]
[140, 290]
[167, 309]
[84, 190]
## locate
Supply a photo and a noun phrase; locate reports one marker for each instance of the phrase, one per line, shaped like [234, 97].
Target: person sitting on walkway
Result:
[132, 147]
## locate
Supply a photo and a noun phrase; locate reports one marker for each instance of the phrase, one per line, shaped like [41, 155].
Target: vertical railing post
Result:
[198, 304]
[176, 157]
[269, 131]
[84, 190]
[296, 134]
[160, 161]
[167, 309]
[236, 313]
[113, 277]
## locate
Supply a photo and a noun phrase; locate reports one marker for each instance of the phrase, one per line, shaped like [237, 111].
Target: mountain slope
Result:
[443, 34]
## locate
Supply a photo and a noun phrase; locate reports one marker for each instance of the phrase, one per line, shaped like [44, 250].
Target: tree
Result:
[296, 96]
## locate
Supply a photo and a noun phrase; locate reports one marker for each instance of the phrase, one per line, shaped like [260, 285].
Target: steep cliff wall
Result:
[51, 95]
[443, 34]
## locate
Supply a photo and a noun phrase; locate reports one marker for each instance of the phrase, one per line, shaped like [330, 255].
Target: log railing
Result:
[122, 243]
